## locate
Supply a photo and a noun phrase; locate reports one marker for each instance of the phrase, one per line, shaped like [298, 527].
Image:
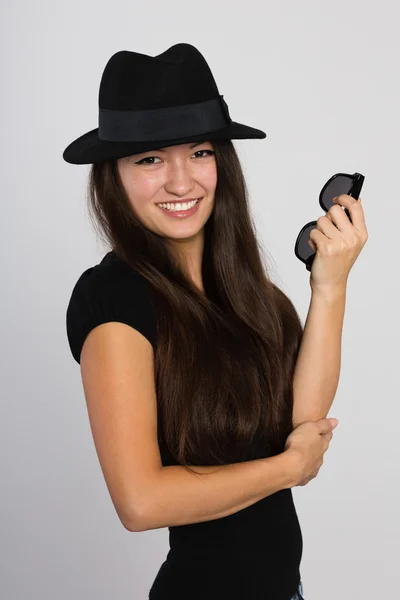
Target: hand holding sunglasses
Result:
[337, 238]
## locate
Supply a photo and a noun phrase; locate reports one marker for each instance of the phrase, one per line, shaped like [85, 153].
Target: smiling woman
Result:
[216, 316]
[157, 191]
[186, 346]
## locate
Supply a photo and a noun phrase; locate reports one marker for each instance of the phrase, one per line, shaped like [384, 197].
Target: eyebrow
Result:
[192, 146]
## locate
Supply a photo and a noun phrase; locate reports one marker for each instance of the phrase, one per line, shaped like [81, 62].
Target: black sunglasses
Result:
[341, 183]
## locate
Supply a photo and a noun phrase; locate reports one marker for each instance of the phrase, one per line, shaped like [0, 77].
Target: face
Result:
[171, 175]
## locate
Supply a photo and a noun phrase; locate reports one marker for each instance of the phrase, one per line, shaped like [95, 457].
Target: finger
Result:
[338, 217]
[345, 200]
[355, 209]
[324, 425]
[317, 237]
[312, 245]
[326, 226]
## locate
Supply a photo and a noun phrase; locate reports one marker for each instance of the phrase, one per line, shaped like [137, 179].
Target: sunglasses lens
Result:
[340, 185]
[303, 248]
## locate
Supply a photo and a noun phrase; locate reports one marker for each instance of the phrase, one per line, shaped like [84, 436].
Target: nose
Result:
[179, 179]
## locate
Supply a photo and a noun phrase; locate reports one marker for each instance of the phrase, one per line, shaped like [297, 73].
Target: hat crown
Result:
[135, 81]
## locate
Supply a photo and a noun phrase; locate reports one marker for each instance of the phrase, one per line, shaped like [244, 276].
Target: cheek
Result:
[209, 178]
[214, 178]
[141, 189]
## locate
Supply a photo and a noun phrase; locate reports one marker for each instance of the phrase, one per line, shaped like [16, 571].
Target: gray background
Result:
[322, 79]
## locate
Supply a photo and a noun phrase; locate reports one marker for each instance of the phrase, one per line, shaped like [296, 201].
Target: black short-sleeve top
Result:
[109, 291]
[253, 554]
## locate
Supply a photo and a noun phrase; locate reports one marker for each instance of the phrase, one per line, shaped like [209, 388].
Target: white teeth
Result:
[177, 207]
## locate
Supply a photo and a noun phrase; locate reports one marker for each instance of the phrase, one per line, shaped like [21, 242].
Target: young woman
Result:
[189, 354]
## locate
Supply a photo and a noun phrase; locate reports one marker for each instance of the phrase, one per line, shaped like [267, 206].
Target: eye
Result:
[143, 160]
[139, 162]
[211, 152]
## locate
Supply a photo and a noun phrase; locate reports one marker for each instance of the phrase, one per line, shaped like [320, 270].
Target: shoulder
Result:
[112, 279]
[109, 291]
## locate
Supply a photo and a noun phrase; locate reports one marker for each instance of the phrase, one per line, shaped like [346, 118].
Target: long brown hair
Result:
[224, 360]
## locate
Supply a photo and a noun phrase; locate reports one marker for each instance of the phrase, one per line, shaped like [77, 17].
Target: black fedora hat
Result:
[148, 102]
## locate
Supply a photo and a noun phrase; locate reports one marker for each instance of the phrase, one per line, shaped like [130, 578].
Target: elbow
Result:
[134, 520]
[138, 512]
[133, 524]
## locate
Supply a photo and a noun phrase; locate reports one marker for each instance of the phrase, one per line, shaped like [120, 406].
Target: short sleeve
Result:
[109, 292]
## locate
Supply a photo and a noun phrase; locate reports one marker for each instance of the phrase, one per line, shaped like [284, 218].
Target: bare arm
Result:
[179, 497]
[117, 367]
[317, 370]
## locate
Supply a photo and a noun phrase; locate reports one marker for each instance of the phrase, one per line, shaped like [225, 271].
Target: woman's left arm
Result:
[337, 242]
[317, 370]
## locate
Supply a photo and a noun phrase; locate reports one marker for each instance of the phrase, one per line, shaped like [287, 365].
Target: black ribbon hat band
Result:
[172, 122]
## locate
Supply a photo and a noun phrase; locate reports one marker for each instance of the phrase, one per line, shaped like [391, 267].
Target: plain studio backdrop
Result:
[322, 80]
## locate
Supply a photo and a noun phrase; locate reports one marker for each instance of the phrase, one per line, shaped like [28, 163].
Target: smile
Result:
[176, 209]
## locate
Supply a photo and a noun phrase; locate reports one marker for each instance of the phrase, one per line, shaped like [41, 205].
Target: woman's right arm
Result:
[117, 369]
[178, 496]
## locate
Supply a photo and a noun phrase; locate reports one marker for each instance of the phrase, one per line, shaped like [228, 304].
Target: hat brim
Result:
[89, 148]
